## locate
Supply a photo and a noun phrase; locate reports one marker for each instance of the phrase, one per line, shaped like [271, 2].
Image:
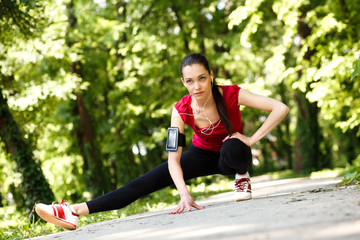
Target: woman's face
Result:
[197, 80]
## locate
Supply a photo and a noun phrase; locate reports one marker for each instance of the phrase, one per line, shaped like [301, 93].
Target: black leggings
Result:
[234, 157]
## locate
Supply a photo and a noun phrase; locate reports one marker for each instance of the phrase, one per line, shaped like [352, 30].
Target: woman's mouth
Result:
[198, 93]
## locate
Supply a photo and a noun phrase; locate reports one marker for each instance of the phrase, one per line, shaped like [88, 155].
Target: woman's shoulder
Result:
[231, 88]
[230, 91]
[184, 109]
[183, 103]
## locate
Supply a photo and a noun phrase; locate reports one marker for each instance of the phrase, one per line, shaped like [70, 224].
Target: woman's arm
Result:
[277, 110]
[174, 157]
[176, 171]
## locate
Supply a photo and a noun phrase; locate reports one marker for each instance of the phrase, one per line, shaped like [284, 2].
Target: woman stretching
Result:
[218, 146]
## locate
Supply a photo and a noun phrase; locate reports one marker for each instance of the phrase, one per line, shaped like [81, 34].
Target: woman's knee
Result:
[236, 154]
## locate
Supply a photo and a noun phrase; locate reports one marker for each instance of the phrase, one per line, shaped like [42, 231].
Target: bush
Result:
[352, 175]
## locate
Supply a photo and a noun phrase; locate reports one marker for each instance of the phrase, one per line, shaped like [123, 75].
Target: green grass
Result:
[325, 173]
[328, 173]
[285, 174]
[16, 225]
[352, 176]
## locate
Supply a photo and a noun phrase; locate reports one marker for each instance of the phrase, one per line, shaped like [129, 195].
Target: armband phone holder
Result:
[174, 139]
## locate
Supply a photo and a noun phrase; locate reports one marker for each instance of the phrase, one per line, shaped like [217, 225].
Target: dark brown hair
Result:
[198, 58]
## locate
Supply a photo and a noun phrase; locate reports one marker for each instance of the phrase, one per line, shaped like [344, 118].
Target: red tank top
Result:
[213, 142]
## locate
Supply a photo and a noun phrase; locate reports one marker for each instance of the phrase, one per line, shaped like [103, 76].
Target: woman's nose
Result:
[197, 85]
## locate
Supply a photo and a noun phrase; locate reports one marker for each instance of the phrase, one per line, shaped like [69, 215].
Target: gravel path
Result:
[283, 209]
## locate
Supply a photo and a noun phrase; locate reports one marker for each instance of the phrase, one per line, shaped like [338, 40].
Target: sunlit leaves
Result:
[316, 62]
[287, 11]
[356, 68]
[243, 12]
[19, 19]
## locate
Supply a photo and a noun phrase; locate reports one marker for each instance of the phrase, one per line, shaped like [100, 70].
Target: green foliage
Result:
[356, 68]
[19, 19]
[308, 45]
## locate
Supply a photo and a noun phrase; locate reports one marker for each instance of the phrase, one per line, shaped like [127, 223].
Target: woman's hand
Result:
[245, 139]
[186, 202]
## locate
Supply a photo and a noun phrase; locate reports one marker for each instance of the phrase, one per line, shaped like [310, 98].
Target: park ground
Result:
[300, 208]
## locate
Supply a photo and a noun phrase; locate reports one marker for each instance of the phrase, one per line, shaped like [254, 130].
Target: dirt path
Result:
[282, 209]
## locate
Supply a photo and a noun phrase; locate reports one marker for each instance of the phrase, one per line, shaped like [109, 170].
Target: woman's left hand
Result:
[241, 137]
[186, 202]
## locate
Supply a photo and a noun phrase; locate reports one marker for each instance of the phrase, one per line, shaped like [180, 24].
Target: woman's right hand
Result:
[186, 202]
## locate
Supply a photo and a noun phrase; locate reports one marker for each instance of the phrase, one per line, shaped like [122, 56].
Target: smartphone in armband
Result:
[174, 139]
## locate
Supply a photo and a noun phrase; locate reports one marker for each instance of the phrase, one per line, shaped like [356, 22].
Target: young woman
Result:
[218, 146]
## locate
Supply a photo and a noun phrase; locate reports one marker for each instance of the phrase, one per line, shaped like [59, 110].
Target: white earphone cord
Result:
[211, 126]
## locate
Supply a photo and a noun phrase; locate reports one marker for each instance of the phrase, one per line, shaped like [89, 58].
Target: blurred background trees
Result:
[91, 84]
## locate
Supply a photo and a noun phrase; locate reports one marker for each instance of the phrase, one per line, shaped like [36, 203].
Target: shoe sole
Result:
[242, 199]
[52, 219]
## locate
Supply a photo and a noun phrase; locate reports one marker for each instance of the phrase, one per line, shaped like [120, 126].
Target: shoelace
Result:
[63, 203]
[242, 184]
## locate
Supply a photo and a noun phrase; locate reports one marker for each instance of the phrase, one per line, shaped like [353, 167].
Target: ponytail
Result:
[221, 107]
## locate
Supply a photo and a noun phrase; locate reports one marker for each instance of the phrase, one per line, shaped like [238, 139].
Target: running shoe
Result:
[242, 189]
[62, 215]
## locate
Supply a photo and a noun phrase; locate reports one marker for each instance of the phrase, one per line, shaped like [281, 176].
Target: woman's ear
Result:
[182, 80]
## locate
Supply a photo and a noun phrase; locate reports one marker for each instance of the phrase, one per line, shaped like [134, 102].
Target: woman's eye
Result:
[188, 81]
[202, 78]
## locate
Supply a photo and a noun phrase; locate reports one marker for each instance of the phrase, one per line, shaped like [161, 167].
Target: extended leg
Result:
[194, 162]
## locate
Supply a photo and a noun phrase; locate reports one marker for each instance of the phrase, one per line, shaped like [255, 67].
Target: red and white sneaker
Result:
[62, 215]
[242, 188]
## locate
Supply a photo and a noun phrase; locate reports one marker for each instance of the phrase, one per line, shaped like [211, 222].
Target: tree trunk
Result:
[201, 34]
[307, 152]
[97, 181]
[34, 186]
[284, 149]
[175, 9]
